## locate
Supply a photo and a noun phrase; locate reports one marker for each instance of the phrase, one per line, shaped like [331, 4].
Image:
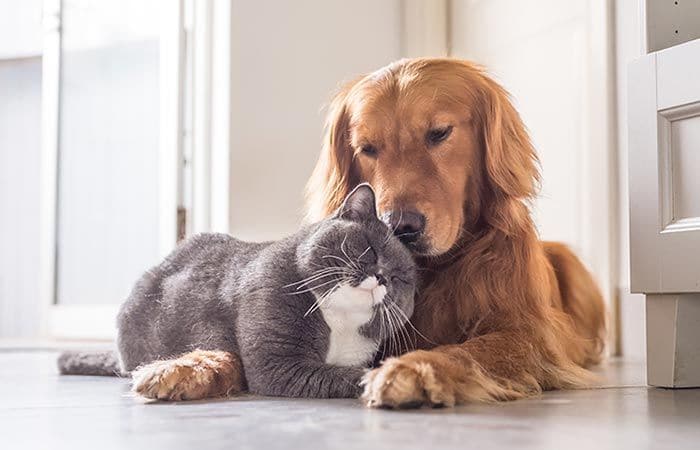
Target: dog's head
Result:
[438, 140]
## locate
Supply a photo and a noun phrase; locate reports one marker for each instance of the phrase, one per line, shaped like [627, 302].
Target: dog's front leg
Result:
[492, 367]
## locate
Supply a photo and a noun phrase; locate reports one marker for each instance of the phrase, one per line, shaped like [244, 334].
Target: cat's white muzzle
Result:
[378, 291]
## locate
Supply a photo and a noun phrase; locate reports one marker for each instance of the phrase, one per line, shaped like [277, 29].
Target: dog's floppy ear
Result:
[510, 159]
[332, 177]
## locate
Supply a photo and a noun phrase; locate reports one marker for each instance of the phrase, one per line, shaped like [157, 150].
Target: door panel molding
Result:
[673, 219]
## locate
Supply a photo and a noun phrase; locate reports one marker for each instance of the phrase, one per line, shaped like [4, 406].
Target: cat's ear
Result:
[360, 204]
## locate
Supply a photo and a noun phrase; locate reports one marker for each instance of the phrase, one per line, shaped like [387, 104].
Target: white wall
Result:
[287, 59]
[540, 58]
[543, 52]
[20, 28]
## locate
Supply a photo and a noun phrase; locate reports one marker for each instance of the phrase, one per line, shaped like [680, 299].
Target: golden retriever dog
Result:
[499, 314]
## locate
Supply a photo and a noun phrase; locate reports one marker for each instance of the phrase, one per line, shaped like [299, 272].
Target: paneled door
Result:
[664, 141]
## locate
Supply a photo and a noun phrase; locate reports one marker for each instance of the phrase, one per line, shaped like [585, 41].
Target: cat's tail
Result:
[103, 363]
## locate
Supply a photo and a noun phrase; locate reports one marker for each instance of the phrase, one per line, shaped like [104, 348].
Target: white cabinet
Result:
[664, 140]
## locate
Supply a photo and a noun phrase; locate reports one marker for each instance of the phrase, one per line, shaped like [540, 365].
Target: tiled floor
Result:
[39, 409]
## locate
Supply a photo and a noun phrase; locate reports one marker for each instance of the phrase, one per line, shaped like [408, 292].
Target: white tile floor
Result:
[39, 409]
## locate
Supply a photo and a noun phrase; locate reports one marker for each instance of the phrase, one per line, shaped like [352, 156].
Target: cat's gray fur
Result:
[215, 292]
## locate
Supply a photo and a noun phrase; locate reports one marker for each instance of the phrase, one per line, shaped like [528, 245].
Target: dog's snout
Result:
[407, 225]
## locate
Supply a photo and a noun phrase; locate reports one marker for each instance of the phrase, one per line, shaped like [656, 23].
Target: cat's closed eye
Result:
[398, 279]
[369, 256]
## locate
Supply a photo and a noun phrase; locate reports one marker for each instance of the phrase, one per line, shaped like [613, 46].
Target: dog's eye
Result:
[437, 135]
[369, 150]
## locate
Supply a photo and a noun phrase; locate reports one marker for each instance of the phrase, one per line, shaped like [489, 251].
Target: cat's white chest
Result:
[345, 311]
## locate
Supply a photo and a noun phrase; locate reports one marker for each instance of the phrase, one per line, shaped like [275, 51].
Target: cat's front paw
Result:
[193, 376]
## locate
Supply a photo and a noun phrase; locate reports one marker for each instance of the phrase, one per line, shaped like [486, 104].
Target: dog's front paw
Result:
[399, 383]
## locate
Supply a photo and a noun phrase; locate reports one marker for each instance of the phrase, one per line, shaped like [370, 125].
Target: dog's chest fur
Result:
[345, 311]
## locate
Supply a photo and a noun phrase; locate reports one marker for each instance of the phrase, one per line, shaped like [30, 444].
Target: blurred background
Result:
[125, 124]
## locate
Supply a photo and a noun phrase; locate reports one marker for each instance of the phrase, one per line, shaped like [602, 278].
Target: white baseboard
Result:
[89, 322]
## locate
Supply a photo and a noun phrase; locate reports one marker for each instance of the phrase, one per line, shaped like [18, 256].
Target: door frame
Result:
[208, 138]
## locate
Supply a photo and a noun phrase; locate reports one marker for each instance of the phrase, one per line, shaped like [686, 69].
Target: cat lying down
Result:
[301, 317]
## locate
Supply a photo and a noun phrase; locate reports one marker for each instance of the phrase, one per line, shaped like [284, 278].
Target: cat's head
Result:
[354, 256]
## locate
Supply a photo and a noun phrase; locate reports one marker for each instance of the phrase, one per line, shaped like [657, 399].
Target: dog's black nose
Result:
[407, 225]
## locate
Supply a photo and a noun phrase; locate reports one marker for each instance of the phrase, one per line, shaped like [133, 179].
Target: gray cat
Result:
[305, 315]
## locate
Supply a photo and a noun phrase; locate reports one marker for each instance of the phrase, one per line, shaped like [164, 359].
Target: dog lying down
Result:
[301, 317]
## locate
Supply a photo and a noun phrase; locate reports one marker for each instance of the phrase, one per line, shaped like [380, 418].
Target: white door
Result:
[112, 153]
[664, 143]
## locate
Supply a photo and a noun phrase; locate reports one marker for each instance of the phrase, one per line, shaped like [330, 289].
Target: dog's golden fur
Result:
[504, 314]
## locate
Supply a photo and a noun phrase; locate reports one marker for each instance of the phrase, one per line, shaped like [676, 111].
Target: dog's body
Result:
[503, 314]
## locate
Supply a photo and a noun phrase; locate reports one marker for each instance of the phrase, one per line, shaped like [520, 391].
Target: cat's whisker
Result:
[338, 258]
[334, 272]
[363, 253]
[393, 230]
[399, 329]
[315, 305]
[390, 333]
[319, 303]
[404, 330]
[312, 288]
[320, 274]
[342, 249]
[382, 331]
[395, 347]
[318, 278]
[386, 337]
[382, 336]
[415, 330]
[395, 332]
[323, 270]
